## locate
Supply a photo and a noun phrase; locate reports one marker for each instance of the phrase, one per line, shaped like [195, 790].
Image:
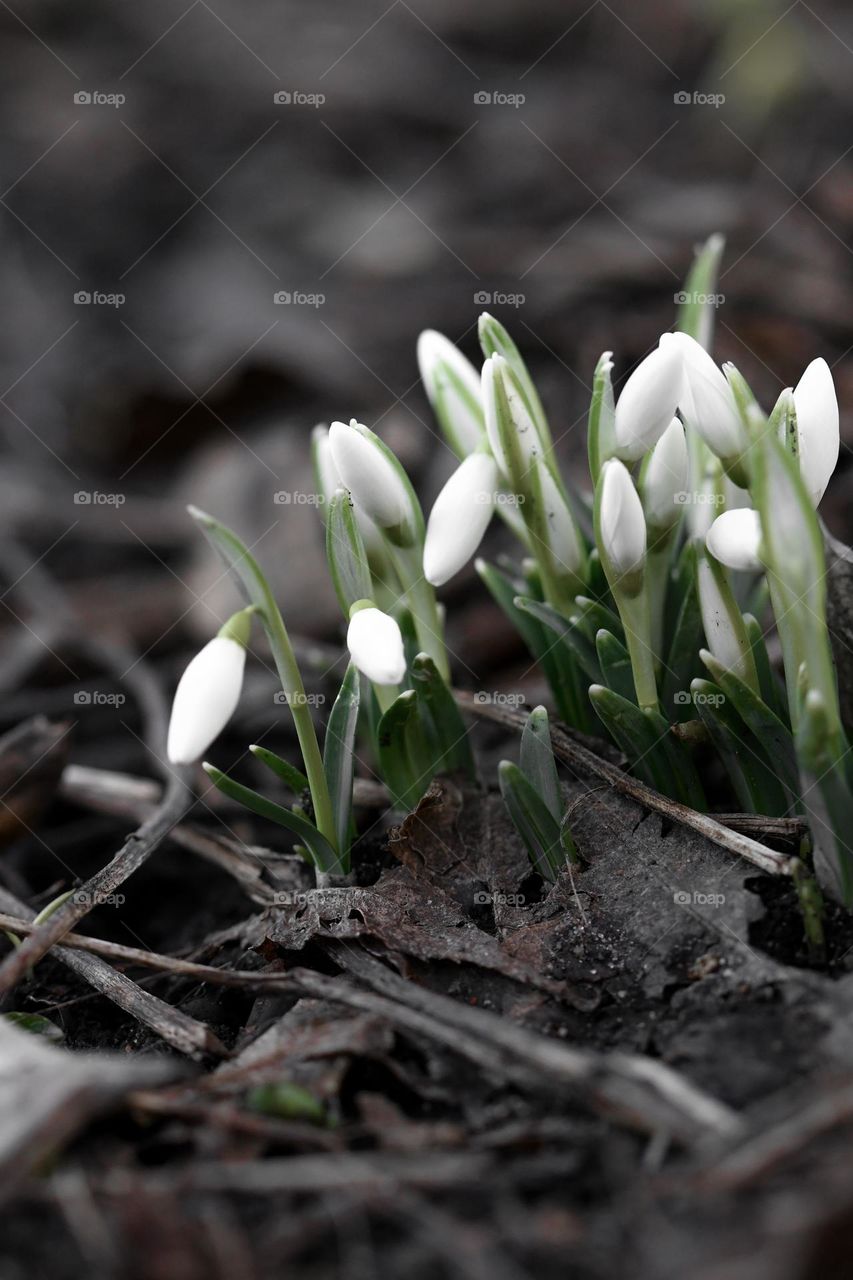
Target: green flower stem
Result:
[244, 565]
[422, 604]
[655, 581]
[386, 695]
[636, 619]
[291, 680]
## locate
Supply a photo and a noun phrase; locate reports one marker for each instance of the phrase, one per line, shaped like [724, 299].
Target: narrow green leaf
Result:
[697, 301]
[756, 786]
[682, 662]
[35, 1024]
[346, 554]
[436, 702]
[338, 751]
[292, 777]
[322, 853]
[400, 750]
[654, 754]
[571, 634]
[532, 820]
[775, 736]
[537, 761]
[600, 433]
[615, 663]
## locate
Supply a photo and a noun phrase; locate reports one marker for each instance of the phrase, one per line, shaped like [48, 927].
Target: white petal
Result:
[648, 402]
[563, 541]
[734, 539]
[376, 646]
[489, 375]
[371, 478]
[205, 699]
[622, 523]
[438, 358]
[459, 518]
[707, 402]
[666, 478]
[817, 427]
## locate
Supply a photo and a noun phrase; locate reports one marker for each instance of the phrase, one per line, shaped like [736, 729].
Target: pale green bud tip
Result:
[239, 626]
[206, 698]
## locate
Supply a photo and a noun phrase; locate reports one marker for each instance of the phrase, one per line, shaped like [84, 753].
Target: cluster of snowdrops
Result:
[646, 603]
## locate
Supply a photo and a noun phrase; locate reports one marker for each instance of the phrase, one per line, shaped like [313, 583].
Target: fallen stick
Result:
[583, 761]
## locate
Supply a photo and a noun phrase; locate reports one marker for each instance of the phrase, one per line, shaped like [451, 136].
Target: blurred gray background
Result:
[377, 168]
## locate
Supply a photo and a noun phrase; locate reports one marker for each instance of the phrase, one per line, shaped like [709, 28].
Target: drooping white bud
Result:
[208, 692]
[375, 644]
[452, 385]
[735, 537]
[817, 427]
[459, 517]
[707, 402]
[665, 479]
[621, 525]
[648, 402]
[373, 476]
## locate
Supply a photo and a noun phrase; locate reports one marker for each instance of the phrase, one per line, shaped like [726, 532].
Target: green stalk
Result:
[239, 560]
[422, 605]
[636, 619]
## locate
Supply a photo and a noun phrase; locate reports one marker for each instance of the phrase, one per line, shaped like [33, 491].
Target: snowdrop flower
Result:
[621, 526]
[208, 691]
[460, 517]
[735, 538]
[817, 427]
[375, 479]
[564, 544]
[707, 401]
[665, 479]
[376, 644]
[507, 413]
[452, 385]
[648, 402]
[328, 482]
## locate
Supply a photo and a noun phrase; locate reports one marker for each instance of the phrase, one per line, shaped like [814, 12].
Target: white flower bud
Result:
[817, 427]
[665, 479]
[707, 402]
[452, 385]
[460, 517]
[621, 523]
[375, 482]
[205, 699]
[499, 389]
[648, 402]
[735, 537]
[329, 481]
[376, 644]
